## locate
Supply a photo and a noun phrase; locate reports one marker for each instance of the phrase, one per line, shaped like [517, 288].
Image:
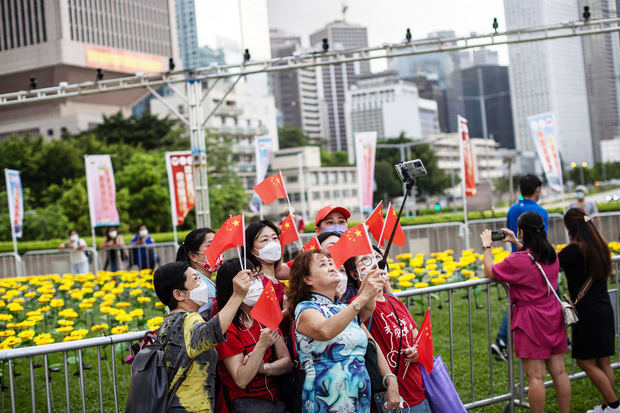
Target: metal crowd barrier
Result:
[55, 261]
[130, 257]
[10, 265]
[453, 291]
[45, 378]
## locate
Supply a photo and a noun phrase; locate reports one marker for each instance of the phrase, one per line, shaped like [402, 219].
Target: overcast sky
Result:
[387, 20]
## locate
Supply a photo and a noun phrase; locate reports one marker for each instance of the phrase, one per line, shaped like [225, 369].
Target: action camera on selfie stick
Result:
[407, 172]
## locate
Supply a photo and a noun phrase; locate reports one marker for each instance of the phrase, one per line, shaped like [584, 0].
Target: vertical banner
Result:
[542, 128]
[365, 151]
[467, 156]
[263, 149]
[16, 201]
[181, 185]
[101, 191]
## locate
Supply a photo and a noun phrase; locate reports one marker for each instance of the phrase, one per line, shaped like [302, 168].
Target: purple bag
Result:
[440, 391]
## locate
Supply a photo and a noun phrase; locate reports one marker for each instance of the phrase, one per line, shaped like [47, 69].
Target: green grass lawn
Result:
[584, 397]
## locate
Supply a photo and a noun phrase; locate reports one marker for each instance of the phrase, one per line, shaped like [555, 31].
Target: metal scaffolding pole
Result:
[199, 153]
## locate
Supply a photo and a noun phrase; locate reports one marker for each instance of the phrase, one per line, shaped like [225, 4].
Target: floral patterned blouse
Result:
[336, 376]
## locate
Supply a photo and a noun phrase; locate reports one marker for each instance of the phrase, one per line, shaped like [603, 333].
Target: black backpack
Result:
[148, 392]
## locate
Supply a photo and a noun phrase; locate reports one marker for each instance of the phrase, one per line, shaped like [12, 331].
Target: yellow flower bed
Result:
[45, 309]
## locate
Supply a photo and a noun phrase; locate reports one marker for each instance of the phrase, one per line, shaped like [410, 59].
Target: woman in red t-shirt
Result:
[251, 354]
[389, 323]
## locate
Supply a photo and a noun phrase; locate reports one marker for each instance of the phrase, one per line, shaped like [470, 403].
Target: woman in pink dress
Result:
[537, 323]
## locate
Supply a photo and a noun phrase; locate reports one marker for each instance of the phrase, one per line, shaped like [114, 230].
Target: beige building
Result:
[311, 186]
[63, 41]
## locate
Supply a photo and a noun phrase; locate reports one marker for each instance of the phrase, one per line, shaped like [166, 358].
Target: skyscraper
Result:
[187, 32]
[602, 62]
[549, 76]
[486, 87]
[334, 80]
[54, 42]
[295, 91]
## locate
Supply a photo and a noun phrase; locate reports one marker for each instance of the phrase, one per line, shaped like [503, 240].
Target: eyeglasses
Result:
[367, 260]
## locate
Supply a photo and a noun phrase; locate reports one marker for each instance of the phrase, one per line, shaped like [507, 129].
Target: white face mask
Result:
[74, 238]
[361, 272]
[113, 234]
[271, 252]
[342, 285]
[200, 294]
[143, 232]
[255, 290]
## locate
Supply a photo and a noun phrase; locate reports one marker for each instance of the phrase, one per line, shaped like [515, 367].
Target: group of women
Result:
[334, 318]
[539, 332]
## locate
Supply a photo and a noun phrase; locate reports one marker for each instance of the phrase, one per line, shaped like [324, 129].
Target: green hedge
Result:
[7, 246]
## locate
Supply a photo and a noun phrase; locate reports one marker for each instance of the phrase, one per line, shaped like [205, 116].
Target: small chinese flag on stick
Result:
[288, 232]
[313, 244]
[353, 242]
[270, 189]
[425, 343]
[391, 220]
[267, 309]
[375, 222]
[230, 235]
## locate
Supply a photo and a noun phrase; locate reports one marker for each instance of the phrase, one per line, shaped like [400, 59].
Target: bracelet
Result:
[484, 247]
[387, 376]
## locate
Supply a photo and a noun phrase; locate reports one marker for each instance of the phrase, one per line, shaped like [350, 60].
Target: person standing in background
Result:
[114, 255]
[77, 257]
[143, 257]
[588, 206]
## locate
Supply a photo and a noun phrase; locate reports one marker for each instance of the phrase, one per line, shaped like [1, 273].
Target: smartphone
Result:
[498, 235]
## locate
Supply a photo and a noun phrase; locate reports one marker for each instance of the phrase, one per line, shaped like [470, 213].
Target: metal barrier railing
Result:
[30, 353]
[10, 265]
[473, 353]
[56, 261]
[137, 256]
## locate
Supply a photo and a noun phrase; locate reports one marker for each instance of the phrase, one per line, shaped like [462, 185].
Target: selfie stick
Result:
[410, 184]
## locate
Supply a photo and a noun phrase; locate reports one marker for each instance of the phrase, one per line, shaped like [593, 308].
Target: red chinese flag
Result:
[313, 244]
[352, 243]
[270, 189]
[375, 222]
[267, 309]
[288, 232]
[390, 221]
[230, 235]
[425, 343]
[290, 263]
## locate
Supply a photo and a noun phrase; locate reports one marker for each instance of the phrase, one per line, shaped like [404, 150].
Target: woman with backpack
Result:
[586, 261]
[190, 340]
[253, 356]
[537, 323]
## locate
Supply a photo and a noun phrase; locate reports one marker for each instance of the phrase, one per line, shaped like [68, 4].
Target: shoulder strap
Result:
[549, 286]
[180, 361]
[584, 289]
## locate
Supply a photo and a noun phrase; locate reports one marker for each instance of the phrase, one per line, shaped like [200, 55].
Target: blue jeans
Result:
[423, 407]
[502, 334]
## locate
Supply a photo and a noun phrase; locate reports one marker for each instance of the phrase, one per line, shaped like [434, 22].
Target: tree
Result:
[338, 158]
[293, 137]
[434, 183]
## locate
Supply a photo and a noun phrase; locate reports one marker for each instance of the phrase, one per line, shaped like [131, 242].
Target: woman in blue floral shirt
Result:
[331, 342]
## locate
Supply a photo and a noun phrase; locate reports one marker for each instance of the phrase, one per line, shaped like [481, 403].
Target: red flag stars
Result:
[230, 235]
[270, 189]
[375, 222]
[391, 220]
[288, 232]
[267, 309]
[353, 242]
[425, 343]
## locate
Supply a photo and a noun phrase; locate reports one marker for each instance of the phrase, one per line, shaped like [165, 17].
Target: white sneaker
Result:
[610, 410]
[599, 409]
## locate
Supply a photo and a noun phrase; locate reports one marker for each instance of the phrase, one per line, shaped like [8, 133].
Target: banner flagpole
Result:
[464, 193]
[244, 248]
[384, 223]
[11, 210]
